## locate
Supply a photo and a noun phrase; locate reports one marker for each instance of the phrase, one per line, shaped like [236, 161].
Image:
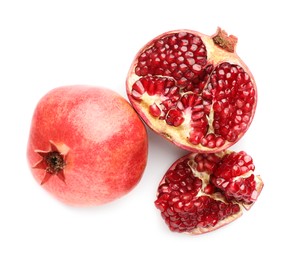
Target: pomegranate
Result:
[204, 191]
[87, 146]
[193, 89]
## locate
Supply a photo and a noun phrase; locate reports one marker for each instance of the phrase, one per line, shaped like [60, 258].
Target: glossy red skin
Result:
[107, 144]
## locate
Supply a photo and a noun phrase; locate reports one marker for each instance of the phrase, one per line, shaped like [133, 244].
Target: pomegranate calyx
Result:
[225, 41]
[53, 161]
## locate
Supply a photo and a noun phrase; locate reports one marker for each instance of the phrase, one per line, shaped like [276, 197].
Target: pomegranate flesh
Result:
[87, 146]
[204, 191]
[193, 89]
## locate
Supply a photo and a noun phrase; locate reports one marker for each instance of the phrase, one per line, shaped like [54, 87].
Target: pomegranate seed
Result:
[219, 142]
[197, 115]
[154, 110]
[209, 189]
[195, 137]
[174, 117]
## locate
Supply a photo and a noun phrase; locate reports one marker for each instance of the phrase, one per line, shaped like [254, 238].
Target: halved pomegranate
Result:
[193, 89]
[204, 191]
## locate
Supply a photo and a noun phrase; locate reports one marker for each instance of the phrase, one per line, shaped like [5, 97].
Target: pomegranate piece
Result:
[234, 175]
[193, 89]
[87, 146]
[204, 191]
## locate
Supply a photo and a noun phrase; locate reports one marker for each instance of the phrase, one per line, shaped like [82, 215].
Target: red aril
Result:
[87, 146]
[201, 192]
[193, 89]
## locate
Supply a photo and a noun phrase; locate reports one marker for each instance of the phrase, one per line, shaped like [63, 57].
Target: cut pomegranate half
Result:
[204, 191]
[193, 89]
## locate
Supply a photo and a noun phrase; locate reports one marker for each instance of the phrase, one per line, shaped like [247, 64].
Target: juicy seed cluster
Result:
[233, 175]
[179, 55]
[184, 204]
[214, 103]
[206, 162]
[234, 97]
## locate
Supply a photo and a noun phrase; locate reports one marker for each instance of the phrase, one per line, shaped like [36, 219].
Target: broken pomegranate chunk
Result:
[202, 192]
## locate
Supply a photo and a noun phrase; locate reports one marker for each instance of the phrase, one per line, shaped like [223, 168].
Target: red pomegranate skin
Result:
[104, 142]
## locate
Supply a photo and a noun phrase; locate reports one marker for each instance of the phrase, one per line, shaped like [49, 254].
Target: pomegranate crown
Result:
[225, 41]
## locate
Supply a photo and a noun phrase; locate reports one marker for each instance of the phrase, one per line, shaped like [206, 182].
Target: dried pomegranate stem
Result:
[225, 41]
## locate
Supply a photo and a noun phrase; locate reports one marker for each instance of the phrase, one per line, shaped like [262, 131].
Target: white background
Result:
[45, 44]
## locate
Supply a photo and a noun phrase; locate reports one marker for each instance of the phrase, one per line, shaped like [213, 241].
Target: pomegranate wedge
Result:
[202, 192]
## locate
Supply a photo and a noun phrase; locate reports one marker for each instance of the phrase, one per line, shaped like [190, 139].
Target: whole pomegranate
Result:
[193, 89]
[204, 191]
[87, 146]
